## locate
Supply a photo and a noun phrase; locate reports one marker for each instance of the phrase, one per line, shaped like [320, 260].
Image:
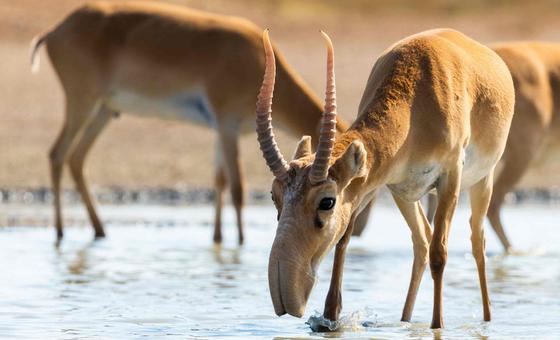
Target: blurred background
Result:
[143, 153]
[159, 274]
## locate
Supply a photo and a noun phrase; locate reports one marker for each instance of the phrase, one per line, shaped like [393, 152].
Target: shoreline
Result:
[171, 196]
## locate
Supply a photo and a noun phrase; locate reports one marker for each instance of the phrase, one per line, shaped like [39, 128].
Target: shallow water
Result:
[157, 274]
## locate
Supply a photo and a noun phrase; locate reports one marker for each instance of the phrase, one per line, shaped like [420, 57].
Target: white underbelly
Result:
[413, 182]
[191, 106]
[476, 166]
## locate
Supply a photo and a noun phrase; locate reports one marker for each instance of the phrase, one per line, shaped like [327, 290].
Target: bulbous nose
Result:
[290, 284]
[297, 310]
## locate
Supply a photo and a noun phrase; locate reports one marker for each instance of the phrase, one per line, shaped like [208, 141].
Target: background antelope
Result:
[435, 113]
[170, 62]
[535, 128]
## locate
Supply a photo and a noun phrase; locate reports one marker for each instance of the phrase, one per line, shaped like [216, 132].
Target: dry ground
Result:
[136, 152]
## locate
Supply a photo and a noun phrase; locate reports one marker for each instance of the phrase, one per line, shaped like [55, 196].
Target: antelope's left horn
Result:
[265, 134]
[320, 167]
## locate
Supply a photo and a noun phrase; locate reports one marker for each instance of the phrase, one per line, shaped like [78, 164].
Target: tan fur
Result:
[535, 129]
[145, 58]
[435, 113]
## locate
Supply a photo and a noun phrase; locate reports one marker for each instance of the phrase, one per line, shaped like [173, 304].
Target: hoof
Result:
[322, 324]
[437, 324]
[217, 239]
[322, 329]
[99, 235]
[487, 316]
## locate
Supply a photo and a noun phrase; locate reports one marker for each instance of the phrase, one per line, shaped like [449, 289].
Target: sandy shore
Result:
[149, 153]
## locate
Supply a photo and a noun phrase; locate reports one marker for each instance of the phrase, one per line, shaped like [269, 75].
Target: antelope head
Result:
[313, 194]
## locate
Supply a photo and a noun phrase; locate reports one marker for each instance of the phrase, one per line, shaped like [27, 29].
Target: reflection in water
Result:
[419, 331]
[149, 281]
[80, 264]
[224, 255]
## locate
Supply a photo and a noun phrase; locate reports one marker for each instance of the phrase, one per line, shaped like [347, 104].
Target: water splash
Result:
[355, 321]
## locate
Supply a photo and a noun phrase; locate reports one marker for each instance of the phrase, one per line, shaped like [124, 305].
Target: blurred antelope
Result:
[534, 136]
[535, 129]
[170, 62]
[435, 113]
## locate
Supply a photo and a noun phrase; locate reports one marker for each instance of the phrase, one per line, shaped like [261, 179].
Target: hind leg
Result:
[527, 133]
[432, 205]
[220, 182]
[78, 112]
[480, 195]
[76, 163]
[230, 147]
[361, 221]
[512, 172]
[516, 160]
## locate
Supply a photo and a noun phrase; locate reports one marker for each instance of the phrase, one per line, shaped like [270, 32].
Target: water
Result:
[158, 275]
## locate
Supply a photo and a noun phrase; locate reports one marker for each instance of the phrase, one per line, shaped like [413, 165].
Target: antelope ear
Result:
[303, 148]
[352, 164]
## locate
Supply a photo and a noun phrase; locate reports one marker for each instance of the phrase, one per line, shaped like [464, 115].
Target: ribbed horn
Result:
[320, 167]
[265, 134]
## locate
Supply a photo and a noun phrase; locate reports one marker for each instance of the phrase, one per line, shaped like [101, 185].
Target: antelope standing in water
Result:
[535, 129]
[435, 113]
[169, 62]
[534, 135]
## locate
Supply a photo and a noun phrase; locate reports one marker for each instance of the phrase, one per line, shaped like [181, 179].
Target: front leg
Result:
[421, 236]
[362, 218]
[333, 303]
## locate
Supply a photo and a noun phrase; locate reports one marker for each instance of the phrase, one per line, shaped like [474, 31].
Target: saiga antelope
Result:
[170, 62]
[535, 129]
[435, 113]
[534, 135]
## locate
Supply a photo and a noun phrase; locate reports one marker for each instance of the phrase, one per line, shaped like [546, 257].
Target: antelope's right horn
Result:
[265, 134]
[320, 167]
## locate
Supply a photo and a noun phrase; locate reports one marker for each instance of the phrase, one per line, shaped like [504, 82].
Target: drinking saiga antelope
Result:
[435, 113]
[170, 62]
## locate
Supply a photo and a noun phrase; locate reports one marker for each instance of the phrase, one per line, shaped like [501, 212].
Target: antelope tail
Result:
[36, 44]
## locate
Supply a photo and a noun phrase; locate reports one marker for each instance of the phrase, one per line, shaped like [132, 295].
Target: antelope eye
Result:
[327, 203]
